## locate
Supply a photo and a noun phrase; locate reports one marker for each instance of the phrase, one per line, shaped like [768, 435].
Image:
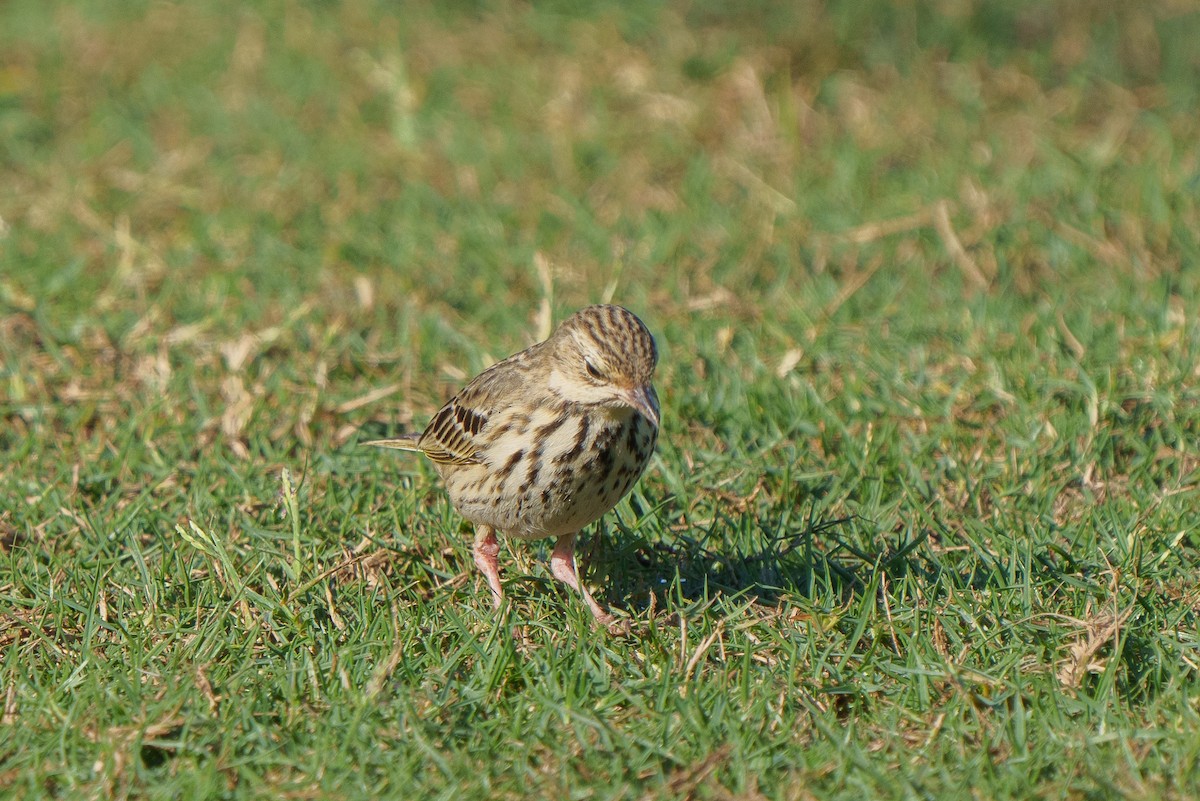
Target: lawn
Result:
[923, 519]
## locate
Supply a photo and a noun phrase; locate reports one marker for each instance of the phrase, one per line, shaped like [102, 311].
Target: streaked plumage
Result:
[548, 440]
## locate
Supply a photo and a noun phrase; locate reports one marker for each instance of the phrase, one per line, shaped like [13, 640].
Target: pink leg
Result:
[562, 565]
[486, 549]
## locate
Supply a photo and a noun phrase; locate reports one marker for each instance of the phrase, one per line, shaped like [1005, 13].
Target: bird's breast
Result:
[553, 470]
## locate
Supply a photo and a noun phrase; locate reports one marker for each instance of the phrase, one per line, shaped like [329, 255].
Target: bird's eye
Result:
[593, 370]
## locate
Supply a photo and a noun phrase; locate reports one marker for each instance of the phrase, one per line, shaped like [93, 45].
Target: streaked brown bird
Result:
[548, 440]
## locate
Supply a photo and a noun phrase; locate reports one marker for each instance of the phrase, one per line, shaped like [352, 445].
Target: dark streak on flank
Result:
[505, 471]
[546, 431]
[535, 466]
[567, 476]
[581, 441]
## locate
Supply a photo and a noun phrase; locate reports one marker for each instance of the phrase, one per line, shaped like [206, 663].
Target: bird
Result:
[547, 441]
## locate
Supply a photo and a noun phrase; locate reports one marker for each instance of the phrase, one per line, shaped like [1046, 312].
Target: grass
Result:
[922, 522]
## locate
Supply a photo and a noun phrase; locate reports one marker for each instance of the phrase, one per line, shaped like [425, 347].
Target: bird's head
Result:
[605, 356]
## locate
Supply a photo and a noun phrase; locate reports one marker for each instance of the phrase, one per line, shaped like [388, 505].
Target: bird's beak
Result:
[645, 401]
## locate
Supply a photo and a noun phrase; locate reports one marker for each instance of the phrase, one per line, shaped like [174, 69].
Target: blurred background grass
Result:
[924, 278]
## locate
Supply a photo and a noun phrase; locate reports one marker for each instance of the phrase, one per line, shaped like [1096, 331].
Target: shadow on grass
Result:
[814, 560]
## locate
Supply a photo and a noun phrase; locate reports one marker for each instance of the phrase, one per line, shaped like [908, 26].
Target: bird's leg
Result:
[486, 549]
[562, 565]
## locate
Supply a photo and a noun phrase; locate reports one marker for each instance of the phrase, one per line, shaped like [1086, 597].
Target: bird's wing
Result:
[450, 436]
[453, 436]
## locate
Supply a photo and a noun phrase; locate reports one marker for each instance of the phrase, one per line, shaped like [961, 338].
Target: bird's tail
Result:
[404, 442]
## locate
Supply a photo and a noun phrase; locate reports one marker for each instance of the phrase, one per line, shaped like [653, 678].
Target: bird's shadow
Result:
[809, 559]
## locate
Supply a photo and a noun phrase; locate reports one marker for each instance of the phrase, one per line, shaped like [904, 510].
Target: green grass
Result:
[922, 522]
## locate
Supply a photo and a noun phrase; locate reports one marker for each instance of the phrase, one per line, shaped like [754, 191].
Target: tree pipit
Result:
[548, 440]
